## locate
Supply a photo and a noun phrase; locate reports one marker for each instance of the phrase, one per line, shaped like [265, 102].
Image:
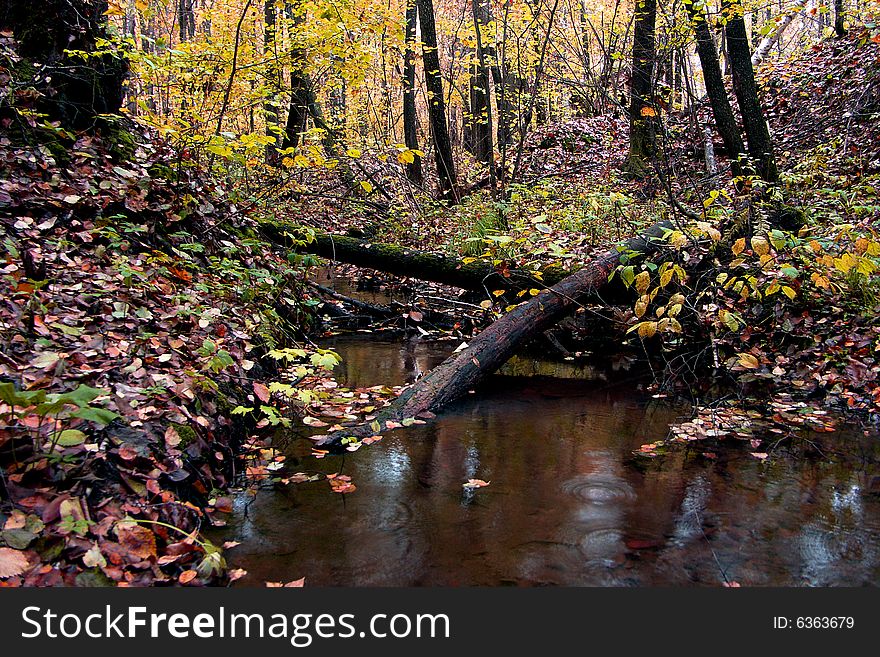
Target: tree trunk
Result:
[77, 92]
[505, 88]
[270, 107]
[725, 121]
[839, 16]
[767, 43]
[186, 20]
[642, 113]
[300, 87]
[478, 115]
[410, 116]
[436, 102]
[496, 344]
[298, 111]
[485, 135]
[746, 89]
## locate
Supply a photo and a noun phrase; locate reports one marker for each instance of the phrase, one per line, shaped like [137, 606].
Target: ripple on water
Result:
[394, 517]
[599, 488]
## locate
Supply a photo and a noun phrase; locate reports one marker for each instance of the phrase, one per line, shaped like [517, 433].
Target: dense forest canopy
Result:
[687, 189]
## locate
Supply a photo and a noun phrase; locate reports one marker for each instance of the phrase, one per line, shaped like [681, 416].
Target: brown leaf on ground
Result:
[12, 563]
[139, 541]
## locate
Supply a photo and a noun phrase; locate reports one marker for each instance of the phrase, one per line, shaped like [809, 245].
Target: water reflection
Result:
[568, 504]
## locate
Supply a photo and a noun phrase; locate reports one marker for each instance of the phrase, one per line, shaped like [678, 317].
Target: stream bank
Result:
[568, 501]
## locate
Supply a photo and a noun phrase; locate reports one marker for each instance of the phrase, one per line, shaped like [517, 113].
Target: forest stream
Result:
[568, 502]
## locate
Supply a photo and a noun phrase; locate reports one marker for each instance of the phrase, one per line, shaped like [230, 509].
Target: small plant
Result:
[44, 415]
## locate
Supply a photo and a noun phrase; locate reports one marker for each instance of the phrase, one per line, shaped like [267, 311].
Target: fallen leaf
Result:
[139, 541]
[12, 563]
[187, 576]
[262, 392]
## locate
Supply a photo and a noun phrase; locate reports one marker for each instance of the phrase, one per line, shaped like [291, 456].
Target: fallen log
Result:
[478, 276]
[496, 344]
[379, 312]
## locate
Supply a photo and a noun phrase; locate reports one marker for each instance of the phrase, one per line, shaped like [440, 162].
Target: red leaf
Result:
[262, 392]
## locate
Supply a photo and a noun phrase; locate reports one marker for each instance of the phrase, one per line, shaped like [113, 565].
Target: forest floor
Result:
[149, 332]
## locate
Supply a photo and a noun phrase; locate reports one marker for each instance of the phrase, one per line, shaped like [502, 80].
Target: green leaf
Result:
[71, 438]
[97, 415]
[83, 395]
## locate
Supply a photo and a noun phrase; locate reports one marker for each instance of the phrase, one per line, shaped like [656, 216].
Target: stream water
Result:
[568, 503]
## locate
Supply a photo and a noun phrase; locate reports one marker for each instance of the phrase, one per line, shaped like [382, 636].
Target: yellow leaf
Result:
[748, 361]
[497, 293]
[647, 110]
[115, 9]
[647, 329]
[353, 152]
[486, 304]
[760, 246]
[787, 291]
[844, 263]
[640, 308]
[366, 186]
[642, 281]
[406, 157]
[820, 281]
[534, 291]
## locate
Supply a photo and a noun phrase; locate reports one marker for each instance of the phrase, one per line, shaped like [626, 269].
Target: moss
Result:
[24, 71]
[528, 366]
[162, 171]
[787, 217]
[118, 139]
[187, 434]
